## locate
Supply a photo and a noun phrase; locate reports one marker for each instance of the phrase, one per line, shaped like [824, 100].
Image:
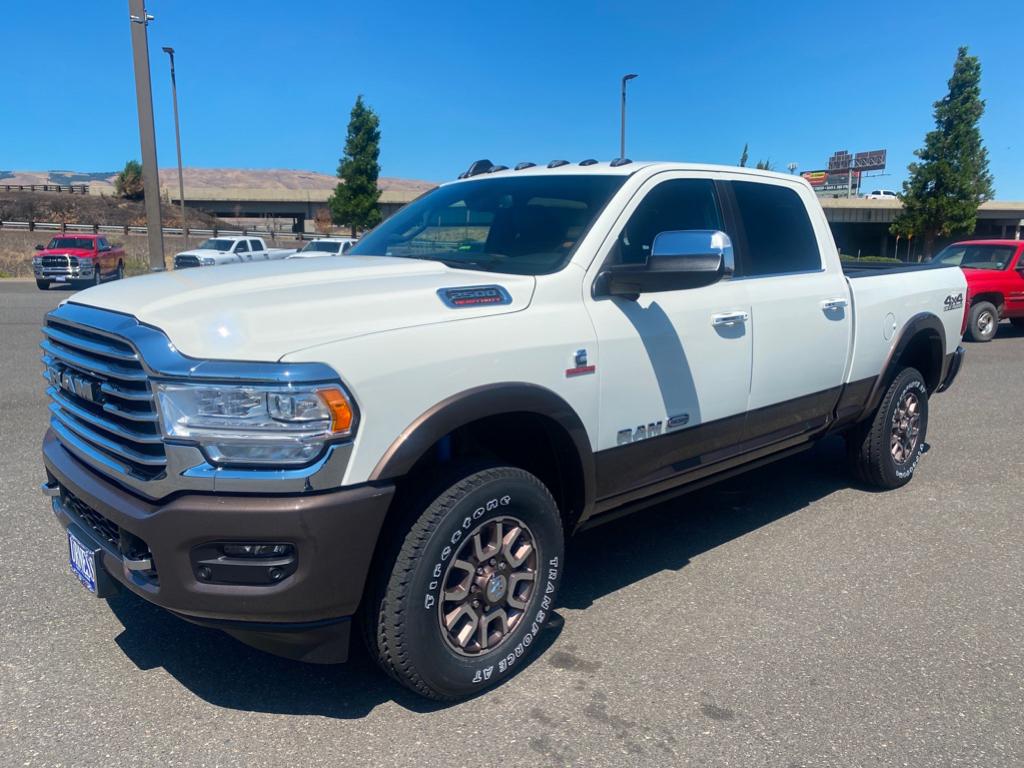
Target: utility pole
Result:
[177, 141]
[147, 135]
[622, 130]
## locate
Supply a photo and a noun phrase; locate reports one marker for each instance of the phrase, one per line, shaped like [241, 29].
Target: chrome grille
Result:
[59, 261]
[185, 261]
[101, 400]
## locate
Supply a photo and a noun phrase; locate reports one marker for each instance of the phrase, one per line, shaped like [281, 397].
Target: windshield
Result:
[322, 245]
[976, 256]
[71, 242]
[216, 245]
[526, 225]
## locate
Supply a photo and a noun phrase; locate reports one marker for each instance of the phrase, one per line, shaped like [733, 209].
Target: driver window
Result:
[672, 205]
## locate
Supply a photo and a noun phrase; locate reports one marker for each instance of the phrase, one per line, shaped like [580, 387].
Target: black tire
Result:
[43, 285]
[873, 457]
[403, 615]
[983, 321]
[119, 275]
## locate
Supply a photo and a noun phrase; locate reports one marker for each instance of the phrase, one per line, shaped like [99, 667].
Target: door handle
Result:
[830, 304]
[729, 318]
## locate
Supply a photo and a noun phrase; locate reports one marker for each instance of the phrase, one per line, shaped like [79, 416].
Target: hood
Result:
[262, 311]
[80, 252]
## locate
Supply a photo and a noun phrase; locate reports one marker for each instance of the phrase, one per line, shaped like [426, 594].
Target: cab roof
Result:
[619, 168]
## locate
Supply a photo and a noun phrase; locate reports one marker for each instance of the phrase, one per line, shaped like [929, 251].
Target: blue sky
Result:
[267, 84]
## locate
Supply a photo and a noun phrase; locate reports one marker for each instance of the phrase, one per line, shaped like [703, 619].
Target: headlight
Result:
[209, 261]
[256, 424]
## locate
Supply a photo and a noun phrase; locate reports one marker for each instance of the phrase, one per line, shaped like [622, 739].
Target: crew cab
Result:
[80, 260]
[406, 436]
[995, 282]
[324, 246]
[229, 250]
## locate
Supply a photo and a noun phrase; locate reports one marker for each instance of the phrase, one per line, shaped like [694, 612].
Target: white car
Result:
[229, 250]
[324, 246]
[408, 435]
[881, 194]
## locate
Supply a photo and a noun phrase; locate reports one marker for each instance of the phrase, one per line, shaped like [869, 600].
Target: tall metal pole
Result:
[177, 142]
[147, 135]
[622, 129]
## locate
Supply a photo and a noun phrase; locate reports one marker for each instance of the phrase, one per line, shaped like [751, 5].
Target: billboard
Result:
[828, 183]
[870, 161]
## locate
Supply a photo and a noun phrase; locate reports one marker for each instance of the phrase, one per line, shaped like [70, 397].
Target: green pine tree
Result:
[744, 157]
[765, 165]
[951, 178]
[128, 183]
[354, 202]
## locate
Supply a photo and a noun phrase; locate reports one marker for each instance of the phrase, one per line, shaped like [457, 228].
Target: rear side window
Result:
[779, 236]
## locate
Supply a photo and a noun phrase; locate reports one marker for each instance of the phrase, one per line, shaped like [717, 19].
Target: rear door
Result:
[259, 250]
[800, 311]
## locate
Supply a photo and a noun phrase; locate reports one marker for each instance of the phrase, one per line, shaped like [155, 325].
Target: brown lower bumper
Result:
[333, 534]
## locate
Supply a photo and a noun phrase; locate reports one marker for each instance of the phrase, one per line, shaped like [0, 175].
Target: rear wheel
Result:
[884, 451]
[983, 321]
[459, 606]
[42, 285]
[119, 275]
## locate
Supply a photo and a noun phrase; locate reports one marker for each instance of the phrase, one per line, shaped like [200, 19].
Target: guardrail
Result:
[73, 189]
[95, 229]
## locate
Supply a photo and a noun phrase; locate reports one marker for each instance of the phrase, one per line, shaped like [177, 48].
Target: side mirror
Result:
[681, 259]
[40, 247]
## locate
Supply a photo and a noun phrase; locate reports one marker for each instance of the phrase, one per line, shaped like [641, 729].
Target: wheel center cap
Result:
[496, 587]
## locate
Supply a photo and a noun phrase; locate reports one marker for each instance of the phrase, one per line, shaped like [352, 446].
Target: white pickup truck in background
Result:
[325, 246]
[226, 249]
[408, 434]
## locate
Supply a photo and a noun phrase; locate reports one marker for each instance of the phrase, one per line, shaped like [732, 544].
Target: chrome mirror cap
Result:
[692, 243]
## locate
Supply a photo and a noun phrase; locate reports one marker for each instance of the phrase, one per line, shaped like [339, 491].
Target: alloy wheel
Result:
[488, 585]
[906, 428]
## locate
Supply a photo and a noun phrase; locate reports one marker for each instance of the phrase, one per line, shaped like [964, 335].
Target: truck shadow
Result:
[226, 673]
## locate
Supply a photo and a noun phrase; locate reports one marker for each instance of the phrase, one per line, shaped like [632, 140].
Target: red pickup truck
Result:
[81, 260]
[995, 282]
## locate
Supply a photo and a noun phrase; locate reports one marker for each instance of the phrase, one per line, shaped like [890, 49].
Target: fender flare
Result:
[923, 321]
[478, 403]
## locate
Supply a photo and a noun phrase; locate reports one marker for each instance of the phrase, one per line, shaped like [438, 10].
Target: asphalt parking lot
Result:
[783, 618]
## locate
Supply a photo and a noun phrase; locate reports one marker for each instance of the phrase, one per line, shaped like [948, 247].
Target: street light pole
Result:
[177, 141]
[622, 130]
[147, 135]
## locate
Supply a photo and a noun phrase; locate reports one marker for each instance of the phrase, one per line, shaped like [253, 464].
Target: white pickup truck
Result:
[226, 249]
[406, 436]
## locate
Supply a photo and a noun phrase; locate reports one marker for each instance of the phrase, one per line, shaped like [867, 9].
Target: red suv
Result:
[995, 282]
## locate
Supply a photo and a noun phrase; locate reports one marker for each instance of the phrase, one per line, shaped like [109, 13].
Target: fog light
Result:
[256, 550]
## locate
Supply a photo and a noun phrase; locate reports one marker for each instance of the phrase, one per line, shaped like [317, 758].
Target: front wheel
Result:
[43, 285]
[474, 582]
[884, 451]
[983, 321]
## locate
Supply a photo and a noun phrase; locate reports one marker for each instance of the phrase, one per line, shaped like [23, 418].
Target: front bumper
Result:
[952, 369]
[303, 616]
[82, 271]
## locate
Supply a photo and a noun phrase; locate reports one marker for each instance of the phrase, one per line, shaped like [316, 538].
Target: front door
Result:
[673, 366]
